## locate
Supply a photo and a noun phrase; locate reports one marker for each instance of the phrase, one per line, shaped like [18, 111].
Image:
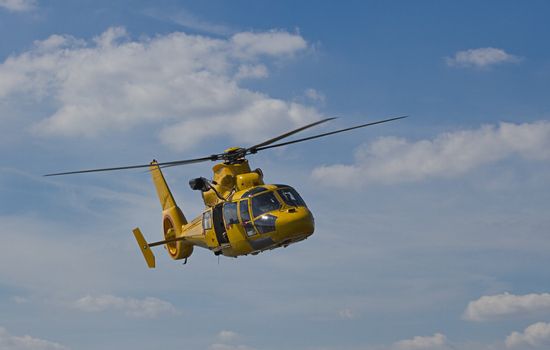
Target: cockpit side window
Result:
[243, 208]
[264, 203]
[245, 218]
[230, 213]
[291, 197]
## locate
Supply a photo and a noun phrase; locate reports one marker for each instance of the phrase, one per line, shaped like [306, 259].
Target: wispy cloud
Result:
[18, 5]
[250, 45]
[189, 20]
[536, 336]
[392, 159]
[481, 58]
[26, 342]
[315, 95]
[228, 340]
[187, 85]
[506, 305]
[142, 308]
[347, 314]
[436, 342]
[227, 336]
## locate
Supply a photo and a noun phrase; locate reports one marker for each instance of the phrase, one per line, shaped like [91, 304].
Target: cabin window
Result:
[291, 197]
[207, 220]
[264, 203]
[243, 208]
[245, 218]
[230, 214]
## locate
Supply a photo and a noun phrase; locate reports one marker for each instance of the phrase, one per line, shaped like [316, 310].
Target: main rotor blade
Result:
[222, 156]
[329, 133]
[177, 162]
[287, 134]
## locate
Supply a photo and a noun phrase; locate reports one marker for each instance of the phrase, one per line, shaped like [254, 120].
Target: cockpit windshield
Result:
[291, 197]
[264, 203]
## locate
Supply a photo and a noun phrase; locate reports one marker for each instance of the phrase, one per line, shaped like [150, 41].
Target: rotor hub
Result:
[233, 155]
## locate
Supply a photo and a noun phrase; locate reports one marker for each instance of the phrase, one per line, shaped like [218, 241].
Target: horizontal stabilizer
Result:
[145, 249]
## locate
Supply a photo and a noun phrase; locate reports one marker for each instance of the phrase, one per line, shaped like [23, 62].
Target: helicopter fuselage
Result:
[242, 215]
[260, 218]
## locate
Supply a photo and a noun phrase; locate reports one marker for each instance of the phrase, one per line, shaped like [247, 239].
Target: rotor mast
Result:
[231, 177]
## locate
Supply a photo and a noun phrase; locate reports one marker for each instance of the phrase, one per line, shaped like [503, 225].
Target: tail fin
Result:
[169, 206]
[165, 196]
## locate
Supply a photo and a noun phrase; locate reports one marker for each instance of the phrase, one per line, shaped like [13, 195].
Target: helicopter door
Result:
[245, 218]
[219, 227]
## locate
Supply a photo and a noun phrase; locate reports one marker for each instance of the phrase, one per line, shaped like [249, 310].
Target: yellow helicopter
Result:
[243, 215]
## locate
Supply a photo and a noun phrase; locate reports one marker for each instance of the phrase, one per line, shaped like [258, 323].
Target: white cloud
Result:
[189, 20]
[18, 5]
[26, 342]
[142, 308]
[347, 314]
[536, 336]
[227, 336]
[506, 305]
[186, 84]
[392, 159]
[249, 45]
[227, 341]
[244, 124]
[315, 95]
[55, 42]
[481, 58]
[436, 342]
[246, 71]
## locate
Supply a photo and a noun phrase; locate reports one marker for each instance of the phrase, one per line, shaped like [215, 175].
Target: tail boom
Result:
[173, 219]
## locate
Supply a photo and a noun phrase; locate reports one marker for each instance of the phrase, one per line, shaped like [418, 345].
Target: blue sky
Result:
[431, 232]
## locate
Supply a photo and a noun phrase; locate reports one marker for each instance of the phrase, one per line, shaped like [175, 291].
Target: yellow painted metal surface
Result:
[225, 181]
[145, 249]
[293, 223]
[173, 219]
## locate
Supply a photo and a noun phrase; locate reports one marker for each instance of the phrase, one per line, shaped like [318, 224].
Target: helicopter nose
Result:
[296, 222]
